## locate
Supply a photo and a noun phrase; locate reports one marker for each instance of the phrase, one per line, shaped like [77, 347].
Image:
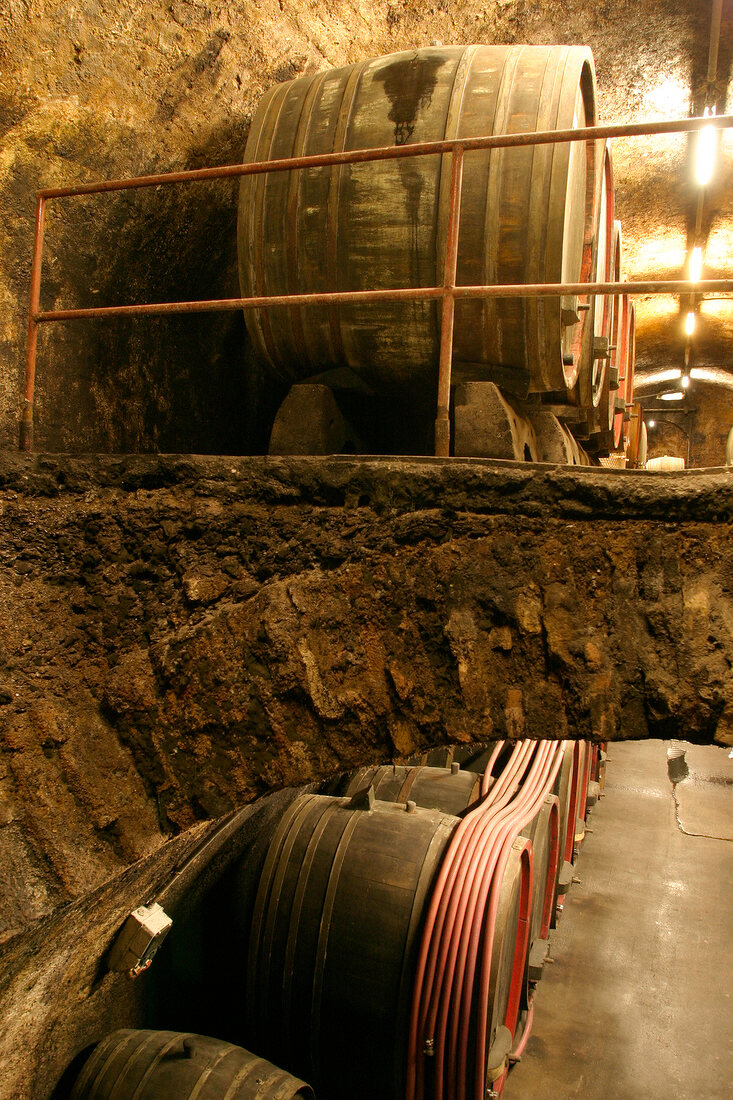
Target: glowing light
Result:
[712, 374]
[705, 151]
[690, 324]
[670, 98]
[652, 423]
[685, 381]
[641, 381]
[695, 264]
[673, 395]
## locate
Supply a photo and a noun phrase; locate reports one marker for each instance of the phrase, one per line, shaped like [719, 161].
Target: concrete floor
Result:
[639, 1002]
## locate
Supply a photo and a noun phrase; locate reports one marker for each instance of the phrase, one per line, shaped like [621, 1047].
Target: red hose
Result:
[462, 917]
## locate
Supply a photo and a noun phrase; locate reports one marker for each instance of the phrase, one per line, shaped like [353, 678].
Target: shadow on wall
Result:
[151, 384]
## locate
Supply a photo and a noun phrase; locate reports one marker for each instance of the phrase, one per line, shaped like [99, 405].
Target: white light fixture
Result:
[695, 264]
[690, 323]
[685, 381]
[673, 395]
[652, 423]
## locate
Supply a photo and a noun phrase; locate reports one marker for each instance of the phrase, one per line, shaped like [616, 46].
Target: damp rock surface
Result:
[184, 634]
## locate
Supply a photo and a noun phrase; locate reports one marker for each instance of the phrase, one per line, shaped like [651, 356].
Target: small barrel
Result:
[665, 463]
[175, 1065]
[449, 790]
[334, 937]
[527, 215]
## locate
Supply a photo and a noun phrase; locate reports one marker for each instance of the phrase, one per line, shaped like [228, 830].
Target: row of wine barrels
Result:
[527, 215]
[173, 1065]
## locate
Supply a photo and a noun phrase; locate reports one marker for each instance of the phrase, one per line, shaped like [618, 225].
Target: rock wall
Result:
[182, 635]
[695, 429]
[101, 89]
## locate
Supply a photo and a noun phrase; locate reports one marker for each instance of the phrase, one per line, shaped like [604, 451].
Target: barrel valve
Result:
[140, 937]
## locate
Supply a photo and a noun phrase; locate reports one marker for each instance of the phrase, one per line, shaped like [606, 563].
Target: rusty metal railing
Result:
[448, 292]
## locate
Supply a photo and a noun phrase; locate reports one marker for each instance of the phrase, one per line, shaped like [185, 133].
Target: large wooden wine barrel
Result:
[527, 215]
[334, 935]
[174, 1065]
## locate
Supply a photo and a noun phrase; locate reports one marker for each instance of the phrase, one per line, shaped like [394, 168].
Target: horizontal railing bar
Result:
[345, 297]
[396, 152]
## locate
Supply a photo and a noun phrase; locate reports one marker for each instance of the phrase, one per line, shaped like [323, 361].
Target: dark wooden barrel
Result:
[544, 833]
[174, 1065]
[576, 812]
[473, 757]
[562, 788]
[449, 790]
[334, 935]
[510, 949]
[527, 215]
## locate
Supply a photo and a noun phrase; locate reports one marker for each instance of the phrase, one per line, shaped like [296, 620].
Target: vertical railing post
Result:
[442, 420]
[26, 418]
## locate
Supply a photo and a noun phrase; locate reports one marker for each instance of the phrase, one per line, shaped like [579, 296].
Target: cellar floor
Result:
[639, 1001]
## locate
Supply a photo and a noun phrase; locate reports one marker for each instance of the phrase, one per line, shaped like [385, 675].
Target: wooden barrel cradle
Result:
[527, 215]
[334, 936]
[174, 1065]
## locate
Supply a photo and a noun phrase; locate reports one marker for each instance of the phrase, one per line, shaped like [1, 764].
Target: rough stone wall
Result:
[711, 424]
[182, 635]
[103, 89]
[696, 431]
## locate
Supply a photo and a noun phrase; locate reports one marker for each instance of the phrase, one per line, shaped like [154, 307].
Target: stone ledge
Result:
[478, 485]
